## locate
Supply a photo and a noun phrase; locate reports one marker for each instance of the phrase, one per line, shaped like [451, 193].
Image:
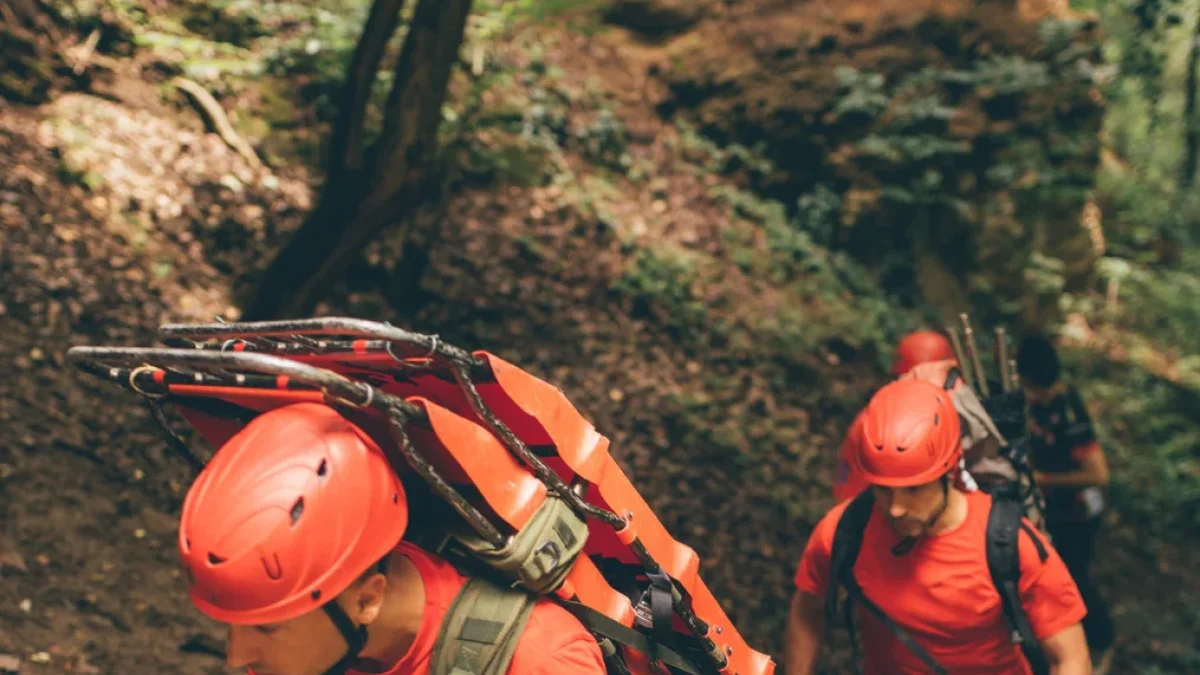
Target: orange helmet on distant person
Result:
[910, 435]
[920, 347]
[288, 514]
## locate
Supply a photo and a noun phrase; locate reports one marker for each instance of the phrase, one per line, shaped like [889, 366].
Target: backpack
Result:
[516, 488]
[1005, 523]
[994, 461]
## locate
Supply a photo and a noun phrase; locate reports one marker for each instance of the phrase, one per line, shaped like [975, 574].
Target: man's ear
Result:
[366, 599]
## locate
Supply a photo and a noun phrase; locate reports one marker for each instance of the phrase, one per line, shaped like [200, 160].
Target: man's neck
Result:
[954, 515]
[392, 634]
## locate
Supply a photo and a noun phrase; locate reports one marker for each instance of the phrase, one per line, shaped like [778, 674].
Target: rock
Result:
[9, 664]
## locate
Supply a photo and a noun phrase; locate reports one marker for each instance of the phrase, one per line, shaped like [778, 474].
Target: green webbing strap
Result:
[481, 630]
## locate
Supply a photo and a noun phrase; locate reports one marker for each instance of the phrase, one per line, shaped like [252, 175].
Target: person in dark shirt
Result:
[1072, 470]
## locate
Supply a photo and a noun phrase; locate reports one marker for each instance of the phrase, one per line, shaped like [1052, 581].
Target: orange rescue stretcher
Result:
[489, 439]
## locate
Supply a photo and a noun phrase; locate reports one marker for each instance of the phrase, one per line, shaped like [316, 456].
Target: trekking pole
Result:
[973, 352]
[961, 357]
[1002, 358]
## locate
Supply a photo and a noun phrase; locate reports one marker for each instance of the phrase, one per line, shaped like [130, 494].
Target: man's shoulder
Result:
[553, 641]
[827, 526]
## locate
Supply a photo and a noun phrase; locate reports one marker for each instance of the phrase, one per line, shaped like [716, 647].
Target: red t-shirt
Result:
[942, 593]
[554, 642]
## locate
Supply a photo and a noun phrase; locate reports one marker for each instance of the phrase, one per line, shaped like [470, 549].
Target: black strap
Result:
[847, 541]
[952, 378]
[662, 612]
[624, 635]
[355, 636]
[896, 629]
[1005, 523]
[848, 618]
[1037, 543]
[172, 439]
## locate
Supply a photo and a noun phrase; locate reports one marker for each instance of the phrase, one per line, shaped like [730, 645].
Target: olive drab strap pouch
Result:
[480, 632]
[541, 554]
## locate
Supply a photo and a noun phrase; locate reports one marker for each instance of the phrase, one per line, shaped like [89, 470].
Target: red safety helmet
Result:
[920, 347]
[910, 435]
[287, 515]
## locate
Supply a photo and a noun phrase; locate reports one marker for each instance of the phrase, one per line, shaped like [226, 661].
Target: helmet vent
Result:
[900, 448]
[323, 469]
[273, 571]
[879, 447]
[937, 419]
[297, 509]
[214, 559]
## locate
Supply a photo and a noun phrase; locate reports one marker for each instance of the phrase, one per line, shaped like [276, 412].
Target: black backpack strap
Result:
[603, 627]
[847, 542]
[952, 377]
[1005, 523]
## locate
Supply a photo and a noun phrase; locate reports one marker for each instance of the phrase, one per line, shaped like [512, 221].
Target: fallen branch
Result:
[216, 116]
[84, 55]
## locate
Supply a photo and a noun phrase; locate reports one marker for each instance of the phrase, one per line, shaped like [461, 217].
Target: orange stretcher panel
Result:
[509, 488]
[548, 415]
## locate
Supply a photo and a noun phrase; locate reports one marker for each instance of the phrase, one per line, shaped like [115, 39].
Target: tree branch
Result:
[346, 144]
[393, 187]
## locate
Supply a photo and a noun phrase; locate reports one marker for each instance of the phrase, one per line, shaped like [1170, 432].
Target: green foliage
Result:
[863, 94]
[1161, 305]
[661, 283]
[723, 160]
[919, 143]
[312, 45]
[1153, 441]
[833, 297]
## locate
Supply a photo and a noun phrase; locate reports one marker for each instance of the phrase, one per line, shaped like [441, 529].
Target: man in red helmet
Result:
[292, 536]
[920, 563]
[919, 347]
[922, 346]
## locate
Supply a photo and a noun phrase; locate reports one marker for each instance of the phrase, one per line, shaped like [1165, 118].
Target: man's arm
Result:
[1067, 652]
[1092, 471]
[802, 644]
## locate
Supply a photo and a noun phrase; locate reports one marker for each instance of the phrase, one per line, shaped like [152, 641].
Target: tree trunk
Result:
[1191, 124]
[31, 58]
[356, 204]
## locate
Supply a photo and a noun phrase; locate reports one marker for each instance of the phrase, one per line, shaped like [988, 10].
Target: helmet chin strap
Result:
[355, 636]
[907, 543]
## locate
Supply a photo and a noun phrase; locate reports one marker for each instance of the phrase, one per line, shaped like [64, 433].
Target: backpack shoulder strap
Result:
[1003, 532]
[480, 632]
[847, 541]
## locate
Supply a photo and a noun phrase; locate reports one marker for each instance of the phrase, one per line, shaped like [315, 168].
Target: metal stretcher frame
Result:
[464, 411]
